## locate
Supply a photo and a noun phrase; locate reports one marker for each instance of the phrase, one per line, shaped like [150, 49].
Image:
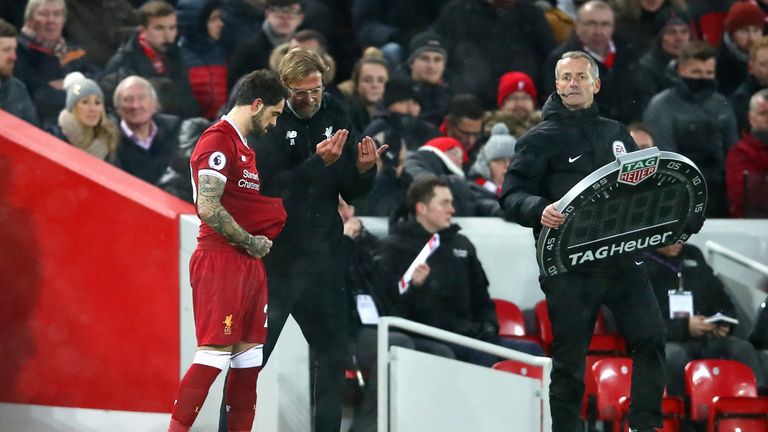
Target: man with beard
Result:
[308, 161]
[692, 119]
[227, 275]
[571, 143]
[517, 101]
[14, 97]
[746, 166]
[151, 52]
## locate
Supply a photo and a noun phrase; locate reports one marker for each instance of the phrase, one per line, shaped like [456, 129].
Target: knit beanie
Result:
[500, 145]
[444, 143]
[78, 87]
[743, 14]
[398, 89]
[425, 41]
[511, 82]
[669, 16]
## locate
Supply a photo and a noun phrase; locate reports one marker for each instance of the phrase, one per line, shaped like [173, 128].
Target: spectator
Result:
[388, 191]
[282, 19]
[14, 97]
[83, 122]
[680, 269]
[206, 61]
[151, 52]
[426, 66]
[488, 38]
[743, 26]
[465, 123]
[516, 99]
[391, 24]
[638, 21]
[560, 22]
[148, 138]
[100, 26]
[622, 94]
[492, 161]
[397, 122]
[450, 290]
[708, 17]
[369, 78]
[441, 157]
[365, 309]
[757, 78]
[693, 119]
[45, 57]
[175, 178]
[242, 19]
[641, 135]
[659, 61]
[746, 165]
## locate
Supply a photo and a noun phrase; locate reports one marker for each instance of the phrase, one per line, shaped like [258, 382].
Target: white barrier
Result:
[433, 394]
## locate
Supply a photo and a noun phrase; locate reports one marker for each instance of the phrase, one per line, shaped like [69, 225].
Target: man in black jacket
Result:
[151, 52]
[308, 161]
[680, 270]
[450, 290]
[572, 142]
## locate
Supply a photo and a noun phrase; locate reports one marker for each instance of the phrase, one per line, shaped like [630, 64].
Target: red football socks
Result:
[192, 393]
[241, 398]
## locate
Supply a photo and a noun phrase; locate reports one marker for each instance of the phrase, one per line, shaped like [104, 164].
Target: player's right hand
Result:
[330, 149]
[420, 274]
[258, 246]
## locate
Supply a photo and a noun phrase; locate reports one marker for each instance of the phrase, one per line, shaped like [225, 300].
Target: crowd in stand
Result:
[429, 78]
[448, 85]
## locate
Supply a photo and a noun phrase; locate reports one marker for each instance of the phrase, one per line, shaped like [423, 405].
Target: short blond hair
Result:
[299, 63]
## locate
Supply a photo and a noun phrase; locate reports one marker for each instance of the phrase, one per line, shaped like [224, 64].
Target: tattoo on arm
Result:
[218, 218]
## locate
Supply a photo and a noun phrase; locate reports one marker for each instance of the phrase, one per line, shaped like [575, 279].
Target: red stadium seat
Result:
[724, 394]
[603, 342]
[519, 368]
[511, 322]
[613, 379]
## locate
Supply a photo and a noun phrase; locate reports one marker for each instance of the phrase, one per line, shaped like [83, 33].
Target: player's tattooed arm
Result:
[210, 190]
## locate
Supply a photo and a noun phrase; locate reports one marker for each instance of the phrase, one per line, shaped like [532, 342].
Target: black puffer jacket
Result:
[455, 295]
[555, 155]
[290, 169]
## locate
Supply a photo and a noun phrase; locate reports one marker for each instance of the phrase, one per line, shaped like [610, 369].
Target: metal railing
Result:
[714, 248]
[383, 363]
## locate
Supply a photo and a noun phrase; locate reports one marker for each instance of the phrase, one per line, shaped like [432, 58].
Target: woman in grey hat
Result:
[84, 122]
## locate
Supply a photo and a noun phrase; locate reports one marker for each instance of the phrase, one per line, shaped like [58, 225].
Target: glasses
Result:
[285, 10]
[468, 134]
[303, 94]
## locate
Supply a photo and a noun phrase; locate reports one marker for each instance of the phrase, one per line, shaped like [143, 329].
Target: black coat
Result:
[709, 296]
[555, 155]
[739, 101]
[172, 87]
[454, 296]
[483, 44]
[149, 165]
[15, 99]
[290, 169]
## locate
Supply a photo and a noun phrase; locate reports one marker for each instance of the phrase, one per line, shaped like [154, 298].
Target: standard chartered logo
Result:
[618, 248]
[255, 185]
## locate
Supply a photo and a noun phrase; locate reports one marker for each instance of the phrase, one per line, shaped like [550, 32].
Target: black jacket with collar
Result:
[290, 169]
[454, 296]
[555, 155]
[709, 296]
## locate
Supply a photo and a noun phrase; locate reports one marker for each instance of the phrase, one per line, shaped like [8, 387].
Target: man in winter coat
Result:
[14, 97]
[746, 166]
[571, 143]
[450, 290]
[694, 120]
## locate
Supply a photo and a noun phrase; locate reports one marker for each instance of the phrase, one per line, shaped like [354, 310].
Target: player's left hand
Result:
[368, 154]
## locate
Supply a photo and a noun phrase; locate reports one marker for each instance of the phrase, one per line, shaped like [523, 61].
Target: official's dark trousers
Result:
[318, 303]
[573, 301]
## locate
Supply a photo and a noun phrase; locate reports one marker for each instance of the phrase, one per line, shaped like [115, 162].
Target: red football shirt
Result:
[223, 153]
